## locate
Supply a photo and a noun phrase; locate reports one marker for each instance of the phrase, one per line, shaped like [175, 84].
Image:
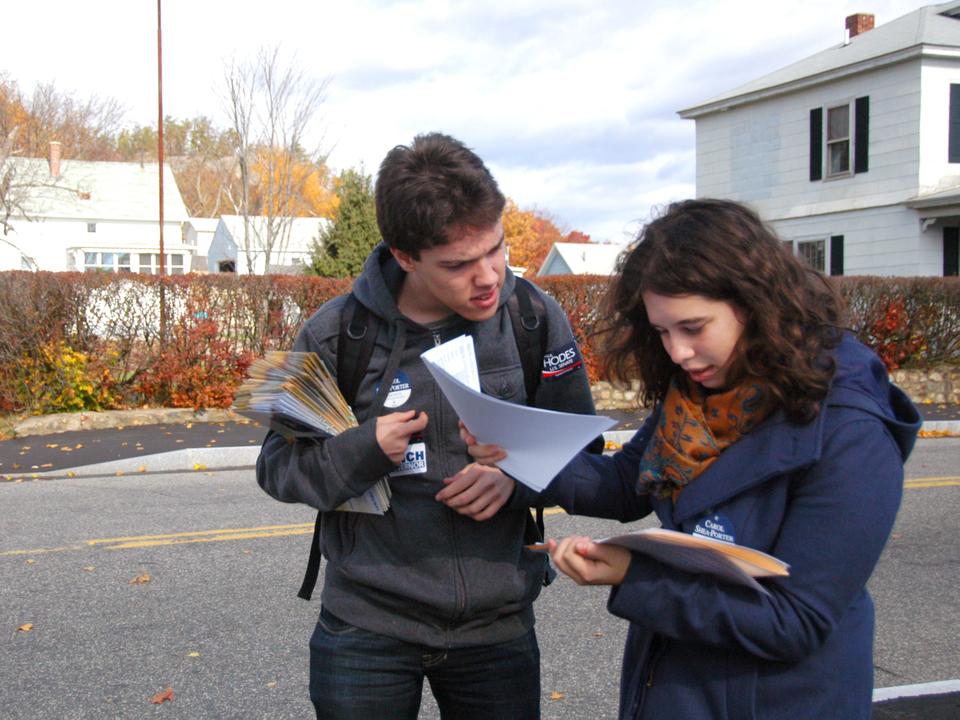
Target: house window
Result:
[123, 262]
[838, 140]
[953, 136]
[818, 251]
[91, 227]
[149, 264]
[951, 252]
[104, 261]
[841, 143]
[813, 251]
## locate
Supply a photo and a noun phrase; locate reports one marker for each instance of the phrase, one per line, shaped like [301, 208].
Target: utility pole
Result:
[163, 264]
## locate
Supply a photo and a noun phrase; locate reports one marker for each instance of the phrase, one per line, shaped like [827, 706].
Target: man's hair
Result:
[721, 250]
[434, 185]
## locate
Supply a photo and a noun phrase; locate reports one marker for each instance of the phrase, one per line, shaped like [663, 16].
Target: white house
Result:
[852, 154]
[83, 215]
[290, 252]
[580, 259]
[198, 232]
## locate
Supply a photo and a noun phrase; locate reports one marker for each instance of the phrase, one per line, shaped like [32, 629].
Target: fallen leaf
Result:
[89, 568]
[272, 684]
[30, 561]
[189, 425]
[193, 653]
[162, 696]
[141, 579]
[25, 628]
[199, 466]
[78, 446]
[179, 440]
[71, 473]
[47, 465]
[557, 695]
[52, 445]
[119, 473]
[142, 468]
[24, 448]
[598, 633]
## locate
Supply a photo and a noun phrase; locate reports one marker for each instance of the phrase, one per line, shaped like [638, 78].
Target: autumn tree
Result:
[271, 106]
[529, 235]
[28, 126]
[346, 242]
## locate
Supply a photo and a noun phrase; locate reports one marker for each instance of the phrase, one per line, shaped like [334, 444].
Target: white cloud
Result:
[572, 102]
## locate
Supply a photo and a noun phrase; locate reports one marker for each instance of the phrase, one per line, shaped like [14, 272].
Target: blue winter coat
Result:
[822, 497]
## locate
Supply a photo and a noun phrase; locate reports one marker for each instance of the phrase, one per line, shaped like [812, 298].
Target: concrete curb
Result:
[107, 419]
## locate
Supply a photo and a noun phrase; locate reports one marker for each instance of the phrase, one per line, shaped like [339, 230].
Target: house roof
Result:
[583, 258]
[303, 230]
[931, 30]
[91, 190]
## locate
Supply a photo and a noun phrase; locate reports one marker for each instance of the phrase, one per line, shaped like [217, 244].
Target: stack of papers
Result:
[538, 442]
[698, 554]
[295, 388]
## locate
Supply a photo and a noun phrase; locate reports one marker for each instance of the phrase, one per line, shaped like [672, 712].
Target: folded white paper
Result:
[538, 442]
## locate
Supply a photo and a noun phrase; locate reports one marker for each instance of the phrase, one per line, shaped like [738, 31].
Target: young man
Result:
[440, 586]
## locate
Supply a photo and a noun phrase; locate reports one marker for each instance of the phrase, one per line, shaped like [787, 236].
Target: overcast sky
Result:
[572, 103]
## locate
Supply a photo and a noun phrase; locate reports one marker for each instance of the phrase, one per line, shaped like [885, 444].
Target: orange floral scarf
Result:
[694, 428]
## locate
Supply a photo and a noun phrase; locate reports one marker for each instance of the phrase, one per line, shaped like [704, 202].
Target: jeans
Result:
[356, 674]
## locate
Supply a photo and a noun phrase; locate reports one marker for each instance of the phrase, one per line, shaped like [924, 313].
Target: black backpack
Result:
[358, 332]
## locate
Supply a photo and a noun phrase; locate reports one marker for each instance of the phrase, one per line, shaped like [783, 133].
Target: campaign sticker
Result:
[399, 391]
[560, 362]
[414, 460]
[717, 527]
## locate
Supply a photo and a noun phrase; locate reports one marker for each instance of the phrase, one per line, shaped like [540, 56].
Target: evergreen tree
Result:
[353, 232]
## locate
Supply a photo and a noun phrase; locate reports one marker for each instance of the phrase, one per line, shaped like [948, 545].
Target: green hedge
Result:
[88, 341]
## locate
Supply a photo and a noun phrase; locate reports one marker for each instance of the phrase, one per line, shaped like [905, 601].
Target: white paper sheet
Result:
[458, 358]
[538, 442]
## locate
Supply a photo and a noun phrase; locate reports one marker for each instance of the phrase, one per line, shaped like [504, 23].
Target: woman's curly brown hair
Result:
[722, 250]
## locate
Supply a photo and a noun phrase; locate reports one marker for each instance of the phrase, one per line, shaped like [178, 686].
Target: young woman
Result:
[769, 423]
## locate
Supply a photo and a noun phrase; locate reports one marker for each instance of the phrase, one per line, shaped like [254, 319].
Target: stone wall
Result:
[936, 385]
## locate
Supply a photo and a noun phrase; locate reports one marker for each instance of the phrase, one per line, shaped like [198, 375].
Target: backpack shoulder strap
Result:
[528, 316]
[358, 332]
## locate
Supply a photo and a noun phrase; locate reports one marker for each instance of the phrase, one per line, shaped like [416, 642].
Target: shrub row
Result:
[92, 341]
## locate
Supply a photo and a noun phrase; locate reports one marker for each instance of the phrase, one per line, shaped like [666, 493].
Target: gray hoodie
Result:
[421, 573]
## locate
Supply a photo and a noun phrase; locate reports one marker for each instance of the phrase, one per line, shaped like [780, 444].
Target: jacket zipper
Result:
[460, 585]
[657, 650]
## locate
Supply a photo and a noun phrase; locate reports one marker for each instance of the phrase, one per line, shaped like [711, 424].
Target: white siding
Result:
[935, 172]
[877, 241]
[759, 153]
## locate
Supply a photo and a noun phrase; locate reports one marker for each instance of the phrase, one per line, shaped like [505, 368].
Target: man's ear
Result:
[405, 260]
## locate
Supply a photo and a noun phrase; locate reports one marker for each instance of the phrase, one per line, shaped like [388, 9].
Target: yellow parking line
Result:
[197, 534]
[930, 482]
[267, 531]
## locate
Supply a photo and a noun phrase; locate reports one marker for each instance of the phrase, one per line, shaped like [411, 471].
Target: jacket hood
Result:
[861, 381]
[378, 285]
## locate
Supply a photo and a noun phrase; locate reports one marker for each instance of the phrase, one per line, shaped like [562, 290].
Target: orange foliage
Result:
[530, 234]
[287, 186]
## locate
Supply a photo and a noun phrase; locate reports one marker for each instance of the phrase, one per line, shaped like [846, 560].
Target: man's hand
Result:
[477, 491]
[588, 563]
[483, 454]
[394, 431]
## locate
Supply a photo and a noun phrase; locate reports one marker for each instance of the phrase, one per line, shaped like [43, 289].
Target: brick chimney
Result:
[54, 159]
[859, 23]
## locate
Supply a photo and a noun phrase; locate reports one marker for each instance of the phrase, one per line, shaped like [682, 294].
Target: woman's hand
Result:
[394, 431]
[588, 563]
[483, 454]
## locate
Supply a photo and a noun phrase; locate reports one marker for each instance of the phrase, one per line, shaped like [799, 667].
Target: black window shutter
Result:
[953, 139]
[951, 252]
[861, 138]
[816, 144]
[836, 254]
